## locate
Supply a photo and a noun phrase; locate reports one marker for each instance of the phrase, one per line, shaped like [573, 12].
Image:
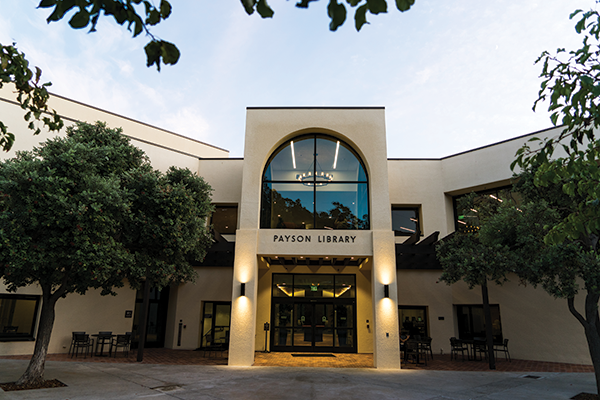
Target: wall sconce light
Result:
[386, 291]
[243, 289]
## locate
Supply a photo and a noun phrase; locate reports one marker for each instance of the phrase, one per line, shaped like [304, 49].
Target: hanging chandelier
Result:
[319, 179]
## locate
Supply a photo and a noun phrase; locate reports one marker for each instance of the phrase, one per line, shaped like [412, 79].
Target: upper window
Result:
[224, 219]
[467, 220]
[17, 316]
[405, 221]
[315, 182]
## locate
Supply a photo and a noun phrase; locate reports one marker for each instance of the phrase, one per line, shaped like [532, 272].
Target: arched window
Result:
[314, 182]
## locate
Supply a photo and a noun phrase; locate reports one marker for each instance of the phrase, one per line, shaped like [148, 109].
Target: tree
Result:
[139, 16]
[464, 257]
[74, 216]
[571, 86]
[31, 95]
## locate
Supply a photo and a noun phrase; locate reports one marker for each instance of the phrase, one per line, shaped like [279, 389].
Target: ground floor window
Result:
[18, 314]
[471, 322]
[413, 320]
[314, 313]
[216, 319]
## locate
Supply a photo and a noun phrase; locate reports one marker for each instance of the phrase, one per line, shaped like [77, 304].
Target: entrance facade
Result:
[313, 313]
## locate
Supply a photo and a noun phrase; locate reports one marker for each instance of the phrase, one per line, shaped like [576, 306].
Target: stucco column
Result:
[386, 341]
[243, 308]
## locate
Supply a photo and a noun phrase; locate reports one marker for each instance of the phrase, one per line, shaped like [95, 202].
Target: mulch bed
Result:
[12, 386]
[585, 396]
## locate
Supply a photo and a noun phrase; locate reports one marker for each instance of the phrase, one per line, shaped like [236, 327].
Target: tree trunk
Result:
[34, 374]
[591, 328]
[143, 325]
[487, 314]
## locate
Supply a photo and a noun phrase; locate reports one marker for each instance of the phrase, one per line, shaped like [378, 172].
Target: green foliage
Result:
[571, 85]
[61, 211]
[87, 13]
[88, 211]
[464, 256]
[166, 228]
[336, 11]
[31, 95]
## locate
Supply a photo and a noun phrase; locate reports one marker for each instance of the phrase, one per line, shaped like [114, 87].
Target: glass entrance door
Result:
[314, 325]
[313, 313]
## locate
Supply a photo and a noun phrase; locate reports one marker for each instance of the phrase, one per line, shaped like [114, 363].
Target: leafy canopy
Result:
[31, 95]
[571, 86]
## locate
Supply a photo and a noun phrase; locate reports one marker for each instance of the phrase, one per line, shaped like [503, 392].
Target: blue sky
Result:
[452, 75]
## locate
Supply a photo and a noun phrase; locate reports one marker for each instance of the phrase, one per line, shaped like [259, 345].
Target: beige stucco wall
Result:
[418, 183]
[186, 302]
[225, 177]
[90, 313]
[538, 326]
[72, 111]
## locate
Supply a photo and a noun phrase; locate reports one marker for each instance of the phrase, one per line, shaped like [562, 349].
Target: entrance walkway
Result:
[439, 363]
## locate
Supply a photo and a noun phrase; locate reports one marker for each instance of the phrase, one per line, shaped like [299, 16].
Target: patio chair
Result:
[211, 346]
[82, 341]
[73, 340]
[413, 350]
[479, 346]
[502, 347]
[457, 346]
[426, 346]
[122, 341]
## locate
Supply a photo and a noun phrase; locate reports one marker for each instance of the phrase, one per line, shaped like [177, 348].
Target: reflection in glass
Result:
[314, 182]
[405, 221]
[342, 206]
[283, 285]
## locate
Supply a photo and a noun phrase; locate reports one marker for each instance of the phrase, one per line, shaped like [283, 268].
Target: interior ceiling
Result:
[316, 261]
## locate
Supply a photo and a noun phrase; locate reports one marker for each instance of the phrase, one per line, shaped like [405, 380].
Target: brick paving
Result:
[439, 363]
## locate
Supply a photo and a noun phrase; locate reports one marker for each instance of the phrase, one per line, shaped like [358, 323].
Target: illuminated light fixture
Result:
[337, 150]
[343, 290]
[316, 177]
[408, 229]
[495, 198]
[243, 289]
[462, 222]
[293, 155]
[285, 290]
[413, 219]
[474, 210]
[386, 291]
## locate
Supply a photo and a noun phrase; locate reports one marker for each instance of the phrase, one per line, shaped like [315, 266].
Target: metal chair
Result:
[426, 346]
[479, 346]
[122, 341]
[104, 338]
[73, 340]
[414, 350]
[211, 346]
[502, 347]
[457, 346]
[82, 341]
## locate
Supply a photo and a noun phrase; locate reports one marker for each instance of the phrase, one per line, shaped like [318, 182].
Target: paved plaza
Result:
[124, 379]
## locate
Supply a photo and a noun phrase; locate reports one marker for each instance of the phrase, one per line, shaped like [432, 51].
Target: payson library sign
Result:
[309, 238]
[319, 235]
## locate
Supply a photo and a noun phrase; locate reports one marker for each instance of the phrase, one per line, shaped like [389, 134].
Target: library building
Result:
[321, 244]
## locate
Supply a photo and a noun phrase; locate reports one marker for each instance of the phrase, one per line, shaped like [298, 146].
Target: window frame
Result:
[417, 210]
[264, 221]
[6, 337]
[229, 206]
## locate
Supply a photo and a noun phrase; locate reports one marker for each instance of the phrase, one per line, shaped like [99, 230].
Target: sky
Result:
[453, 75]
